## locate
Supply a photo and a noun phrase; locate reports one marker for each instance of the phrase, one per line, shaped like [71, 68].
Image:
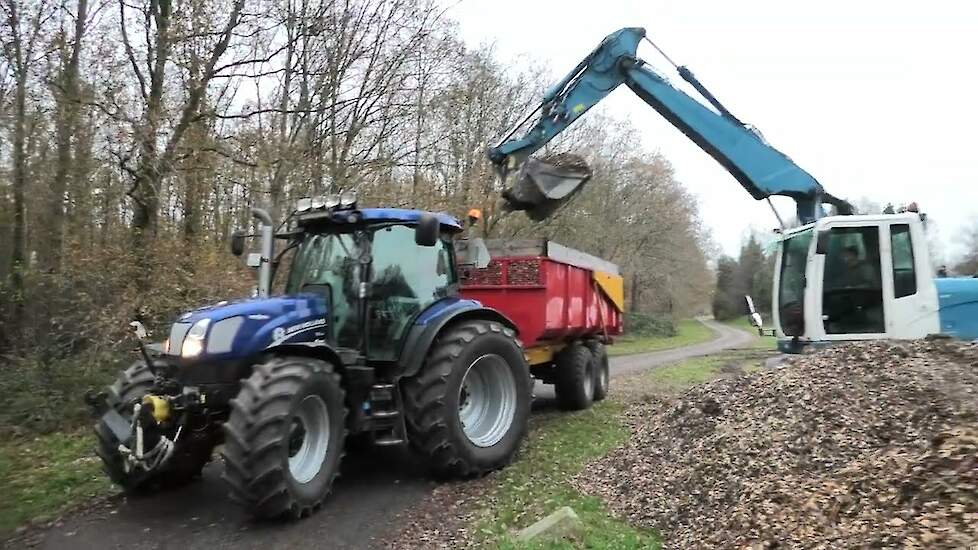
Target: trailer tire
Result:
[475, 371]
[601, 370]
[183, 467]
[574, 379]
[284, 439]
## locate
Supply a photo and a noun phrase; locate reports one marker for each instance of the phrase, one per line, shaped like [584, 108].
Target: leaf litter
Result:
[865, 445]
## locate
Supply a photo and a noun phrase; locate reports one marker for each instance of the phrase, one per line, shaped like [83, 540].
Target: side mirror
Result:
[237, 242]
[472, 253]
[822, 242]
[753, 316]
[427, 231]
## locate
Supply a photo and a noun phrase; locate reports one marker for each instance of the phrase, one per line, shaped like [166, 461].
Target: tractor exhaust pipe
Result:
[266, 230]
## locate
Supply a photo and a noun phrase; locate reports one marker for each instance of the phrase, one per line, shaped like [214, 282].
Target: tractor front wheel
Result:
[468, 407]
[284, 439]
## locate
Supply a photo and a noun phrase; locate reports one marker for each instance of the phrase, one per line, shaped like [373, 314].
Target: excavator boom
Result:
[760, 168]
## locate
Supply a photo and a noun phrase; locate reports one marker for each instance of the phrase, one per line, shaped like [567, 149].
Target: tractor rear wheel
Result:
[188, 459]
[284, 439]
[468, 407]
[574, 383]
[601, 370]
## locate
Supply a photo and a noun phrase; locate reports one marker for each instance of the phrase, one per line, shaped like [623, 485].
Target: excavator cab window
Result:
[852, 290]
[791, 283]
[904, 275]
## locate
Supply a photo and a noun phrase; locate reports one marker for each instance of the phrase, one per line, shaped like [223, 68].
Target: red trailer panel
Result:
[551, 300]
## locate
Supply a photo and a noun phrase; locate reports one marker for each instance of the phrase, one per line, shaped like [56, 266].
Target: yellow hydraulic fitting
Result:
[161, 407]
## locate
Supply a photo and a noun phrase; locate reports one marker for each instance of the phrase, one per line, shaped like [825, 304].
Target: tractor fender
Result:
[317, 350]
[422, 336]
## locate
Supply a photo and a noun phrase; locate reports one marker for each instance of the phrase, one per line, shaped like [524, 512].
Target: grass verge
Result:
[679, 376]
[762, 342]
[688, 332]
[43, 476]
[560, 445]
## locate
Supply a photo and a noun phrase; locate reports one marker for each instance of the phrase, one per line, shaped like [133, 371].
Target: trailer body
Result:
[554, 294]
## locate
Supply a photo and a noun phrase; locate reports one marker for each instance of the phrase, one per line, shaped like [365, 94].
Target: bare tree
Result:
[19, 39]
[967, 264]
[65, 89]
[154, 154]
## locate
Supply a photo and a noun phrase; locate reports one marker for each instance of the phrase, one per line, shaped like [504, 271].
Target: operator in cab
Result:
[858, 273]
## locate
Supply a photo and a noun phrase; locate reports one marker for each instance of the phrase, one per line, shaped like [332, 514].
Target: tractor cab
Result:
[376, 268]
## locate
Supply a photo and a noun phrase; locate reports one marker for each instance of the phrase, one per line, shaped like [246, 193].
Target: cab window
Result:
[791, 284]
[405, 279]
[326, 264]
[904, 275]
[852, 299]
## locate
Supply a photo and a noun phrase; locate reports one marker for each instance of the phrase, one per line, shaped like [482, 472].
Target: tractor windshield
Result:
[327, 264]
[791, 283]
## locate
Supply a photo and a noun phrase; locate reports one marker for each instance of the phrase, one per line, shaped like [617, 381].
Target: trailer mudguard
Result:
[436, 318]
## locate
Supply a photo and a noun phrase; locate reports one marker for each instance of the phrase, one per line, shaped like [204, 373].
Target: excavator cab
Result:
[859, 277]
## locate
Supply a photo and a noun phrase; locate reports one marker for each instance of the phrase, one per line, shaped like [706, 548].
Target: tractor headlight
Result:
[193, 344]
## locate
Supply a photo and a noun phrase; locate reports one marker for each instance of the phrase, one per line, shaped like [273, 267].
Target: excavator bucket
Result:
[543, 185]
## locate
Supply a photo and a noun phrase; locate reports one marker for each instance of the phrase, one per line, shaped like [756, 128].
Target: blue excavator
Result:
[839, 276]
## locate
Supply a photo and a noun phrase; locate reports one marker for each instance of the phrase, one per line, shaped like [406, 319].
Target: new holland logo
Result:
[281, 334]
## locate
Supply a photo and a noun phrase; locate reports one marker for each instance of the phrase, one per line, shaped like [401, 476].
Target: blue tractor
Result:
[369, 339]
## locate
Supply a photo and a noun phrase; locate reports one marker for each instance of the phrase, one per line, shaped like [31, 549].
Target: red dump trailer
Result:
[567, 306]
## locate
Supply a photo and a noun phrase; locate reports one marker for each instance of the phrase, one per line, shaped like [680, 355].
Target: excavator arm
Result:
[760, 168]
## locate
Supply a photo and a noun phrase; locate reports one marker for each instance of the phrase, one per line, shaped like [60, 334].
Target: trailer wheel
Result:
[284, 438]
[601, 370]
[468, 407]
[574, 380]
[184, 466]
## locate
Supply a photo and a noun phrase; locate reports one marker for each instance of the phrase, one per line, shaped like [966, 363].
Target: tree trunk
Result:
[18, 254]
[66, 123]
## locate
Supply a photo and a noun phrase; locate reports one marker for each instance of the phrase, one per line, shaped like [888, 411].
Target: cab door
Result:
[910, 292]
[849, 299]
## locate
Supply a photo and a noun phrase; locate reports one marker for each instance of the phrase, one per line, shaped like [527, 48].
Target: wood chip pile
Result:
[866, 445]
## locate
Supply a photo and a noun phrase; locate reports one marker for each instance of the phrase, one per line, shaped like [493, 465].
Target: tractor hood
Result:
[243, 328]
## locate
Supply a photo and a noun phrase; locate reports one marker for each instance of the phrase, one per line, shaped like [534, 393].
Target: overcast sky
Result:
[875, 99]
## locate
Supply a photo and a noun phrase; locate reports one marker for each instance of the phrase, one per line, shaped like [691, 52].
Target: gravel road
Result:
[373, 489]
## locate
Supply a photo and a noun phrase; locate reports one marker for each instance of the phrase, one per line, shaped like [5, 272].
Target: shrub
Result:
[647, 324]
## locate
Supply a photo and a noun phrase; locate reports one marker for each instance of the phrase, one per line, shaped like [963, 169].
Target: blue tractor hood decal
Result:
[245, 327]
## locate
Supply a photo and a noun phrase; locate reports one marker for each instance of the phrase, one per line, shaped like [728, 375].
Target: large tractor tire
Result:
[284, 439]
[467, 409]
[184, 466]
[574, 380]
[601, 370]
